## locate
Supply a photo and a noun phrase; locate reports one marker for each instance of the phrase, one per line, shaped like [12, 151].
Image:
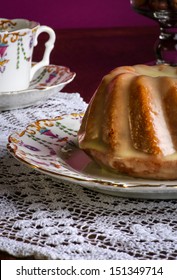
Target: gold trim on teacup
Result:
[4, 24]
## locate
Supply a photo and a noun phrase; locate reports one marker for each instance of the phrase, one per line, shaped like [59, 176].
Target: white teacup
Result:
[18, 37]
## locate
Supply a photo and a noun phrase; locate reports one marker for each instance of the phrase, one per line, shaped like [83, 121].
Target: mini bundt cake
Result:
[130, 125]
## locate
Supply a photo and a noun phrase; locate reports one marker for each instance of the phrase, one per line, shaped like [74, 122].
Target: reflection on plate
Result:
[47, 81]
[51, 147]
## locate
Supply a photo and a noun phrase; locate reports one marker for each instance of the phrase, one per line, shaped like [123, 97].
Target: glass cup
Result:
[165, 13]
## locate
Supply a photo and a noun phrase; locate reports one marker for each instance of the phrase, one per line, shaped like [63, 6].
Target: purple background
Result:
[75, 14]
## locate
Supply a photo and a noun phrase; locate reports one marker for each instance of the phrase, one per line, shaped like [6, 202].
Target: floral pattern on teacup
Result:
[7, 36]
[22, 53]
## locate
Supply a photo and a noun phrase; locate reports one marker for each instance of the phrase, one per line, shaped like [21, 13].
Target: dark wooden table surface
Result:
[92, 53]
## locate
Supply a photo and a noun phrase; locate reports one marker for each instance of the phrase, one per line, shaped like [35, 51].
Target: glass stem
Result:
[166, 46]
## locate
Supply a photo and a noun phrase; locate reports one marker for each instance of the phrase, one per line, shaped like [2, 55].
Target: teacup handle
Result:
[48, 48]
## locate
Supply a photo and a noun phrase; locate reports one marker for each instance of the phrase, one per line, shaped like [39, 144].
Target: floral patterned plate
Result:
[47, 81]
[51, 146]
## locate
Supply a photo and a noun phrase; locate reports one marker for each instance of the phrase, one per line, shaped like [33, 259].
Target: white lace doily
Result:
[45, 219]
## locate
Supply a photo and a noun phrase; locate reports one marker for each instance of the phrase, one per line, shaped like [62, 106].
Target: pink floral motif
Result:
[51, 77]
[47, 132]
[3, 48]
[31, 148]
[3, 60]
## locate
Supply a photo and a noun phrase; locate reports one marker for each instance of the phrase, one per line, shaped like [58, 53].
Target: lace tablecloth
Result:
[46, 219]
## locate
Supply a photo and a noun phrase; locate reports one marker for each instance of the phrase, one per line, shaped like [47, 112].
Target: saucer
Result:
[47, 81]
[51, 147]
